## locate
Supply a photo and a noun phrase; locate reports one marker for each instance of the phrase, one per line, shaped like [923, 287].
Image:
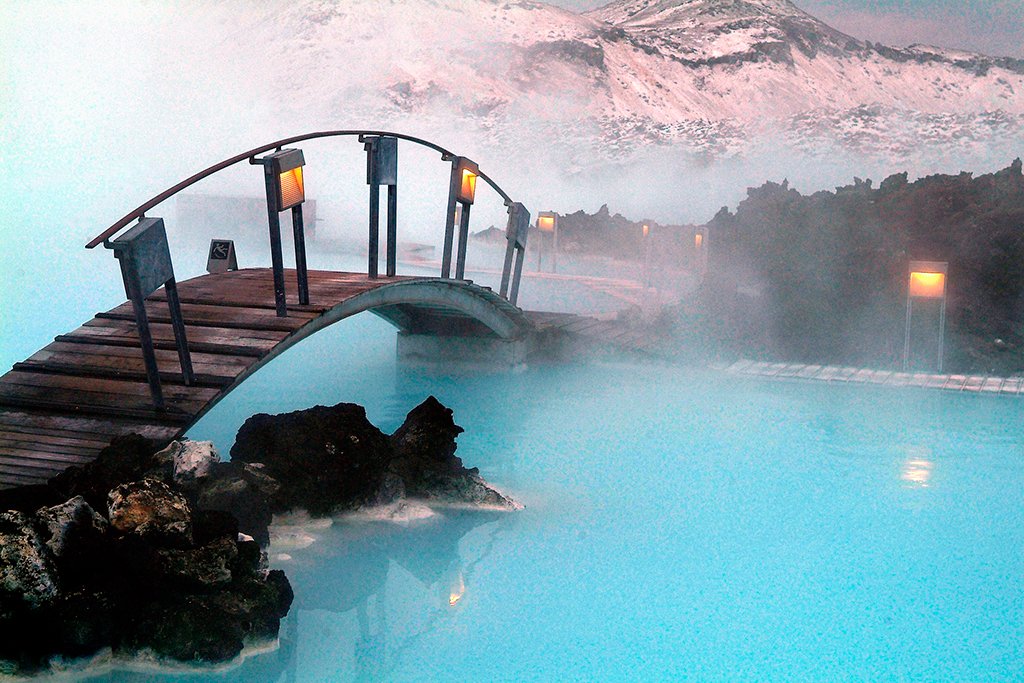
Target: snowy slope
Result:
[712, 76]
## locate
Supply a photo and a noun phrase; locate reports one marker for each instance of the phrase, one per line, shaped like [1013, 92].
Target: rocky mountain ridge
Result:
[708, 75]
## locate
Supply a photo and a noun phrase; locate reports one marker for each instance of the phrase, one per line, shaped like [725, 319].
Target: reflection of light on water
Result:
[458, 590]
[917, 472]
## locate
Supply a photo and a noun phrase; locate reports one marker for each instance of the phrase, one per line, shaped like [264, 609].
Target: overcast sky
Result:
[993, 27]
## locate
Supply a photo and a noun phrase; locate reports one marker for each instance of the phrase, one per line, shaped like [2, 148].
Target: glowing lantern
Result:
[926, 280]
[647, 230]
[546, 221]
[468, 172]
[287, 172]
[927, 285]
[698, 240]
[461, 193]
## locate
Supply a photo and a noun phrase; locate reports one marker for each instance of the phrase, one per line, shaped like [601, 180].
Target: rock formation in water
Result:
[158, 552]
[139, 569]
[329, 459]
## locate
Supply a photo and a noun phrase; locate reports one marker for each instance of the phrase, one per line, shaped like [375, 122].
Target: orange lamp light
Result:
[698, 240]
[292, 190]
[468, 188]
[546, 221]
[647, 230]
[927, 279]
[286, 166]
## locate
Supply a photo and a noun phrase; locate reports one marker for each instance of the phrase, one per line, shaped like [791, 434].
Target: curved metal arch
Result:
[504, 319]
[140, 210]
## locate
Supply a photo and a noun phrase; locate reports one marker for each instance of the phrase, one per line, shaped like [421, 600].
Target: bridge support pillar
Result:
[432, 350]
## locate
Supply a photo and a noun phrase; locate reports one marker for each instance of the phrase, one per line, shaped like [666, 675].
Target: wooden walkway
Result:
[599, 331]
[61, 406]
[975, 384]
[65, 403]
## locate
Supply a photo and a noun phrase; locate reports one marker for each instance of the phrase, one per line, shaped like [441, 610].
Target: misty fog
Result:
[105, 108]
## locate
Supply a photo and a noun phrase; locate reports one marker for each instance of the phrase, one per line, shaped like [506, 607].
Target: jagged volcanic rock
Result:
[424, 459]
[324, 459]
[151, 510]
[152, 576]
[328, 459]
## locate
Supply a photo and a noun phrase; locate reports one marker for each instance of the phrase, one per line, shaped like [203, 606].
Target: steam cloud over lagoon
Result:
[112, 104]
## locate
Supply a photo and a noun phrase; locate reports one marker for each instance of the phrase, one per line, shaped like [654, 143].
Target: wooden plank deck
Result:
[1013, 386]
[65, 403]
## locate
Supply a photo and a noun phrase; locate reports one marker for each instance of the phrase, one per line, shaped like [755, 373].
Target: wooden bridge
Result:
[67, 401]
[157, 363]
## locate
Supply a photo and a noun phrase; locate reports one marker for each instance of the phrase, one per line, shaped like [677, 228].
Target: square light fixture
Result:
[286, 169]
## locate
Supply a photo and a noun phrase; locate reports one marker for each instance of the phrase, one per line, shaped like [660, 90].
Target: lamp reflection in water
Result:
[917, 469]
[458, 589]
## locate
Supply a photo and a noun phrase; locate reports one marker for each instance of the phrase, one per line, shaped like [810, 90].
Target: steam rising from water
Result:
[107, 105]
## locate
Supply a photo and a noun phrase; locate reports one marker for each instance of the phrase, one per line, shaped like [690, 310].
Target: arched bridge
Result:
[157, 363]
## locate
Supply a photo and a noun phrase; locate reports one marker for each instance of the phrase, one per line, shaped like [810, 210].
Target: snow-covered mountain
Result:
[712, 76]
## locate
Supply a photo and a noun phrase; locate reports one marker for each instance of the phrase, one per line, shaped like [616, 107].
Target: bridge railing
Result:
[146, 244]
[461, 194]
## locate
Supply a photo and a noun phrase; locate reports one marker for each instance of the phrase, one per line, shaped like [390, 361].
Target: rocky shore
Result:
[161, 554]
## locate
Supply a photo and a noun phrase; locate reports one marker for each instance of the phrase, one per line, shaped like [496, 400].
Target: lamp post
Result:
[382, 169]
[926, 280]
[700, 251]
[547, 222]
[646, 238]
[282, 171]
[461, 193]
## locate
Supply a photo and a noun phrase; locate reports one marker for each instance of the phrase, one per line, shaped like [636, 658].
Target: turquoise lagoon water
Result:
[679, 525]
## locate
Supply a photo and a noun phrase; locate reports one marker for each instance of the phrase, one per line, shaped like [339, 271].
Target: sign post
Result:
[515, 252]
[382, 169]
[145, 267]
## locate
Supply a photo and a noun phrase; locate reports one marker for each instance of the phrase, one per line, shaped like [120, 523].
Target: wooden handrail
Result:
[141, 210]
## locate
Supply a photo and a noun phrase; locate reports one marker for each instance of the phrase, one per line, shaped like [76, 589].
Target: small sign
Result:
[518, 225]
[222, 257]
[145, 258]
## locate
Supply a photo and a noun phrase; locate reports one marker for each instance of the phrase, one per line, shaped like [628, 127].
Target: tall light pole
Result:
[547, 222]
[926, 280]
[646, 237]
[461, 193]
